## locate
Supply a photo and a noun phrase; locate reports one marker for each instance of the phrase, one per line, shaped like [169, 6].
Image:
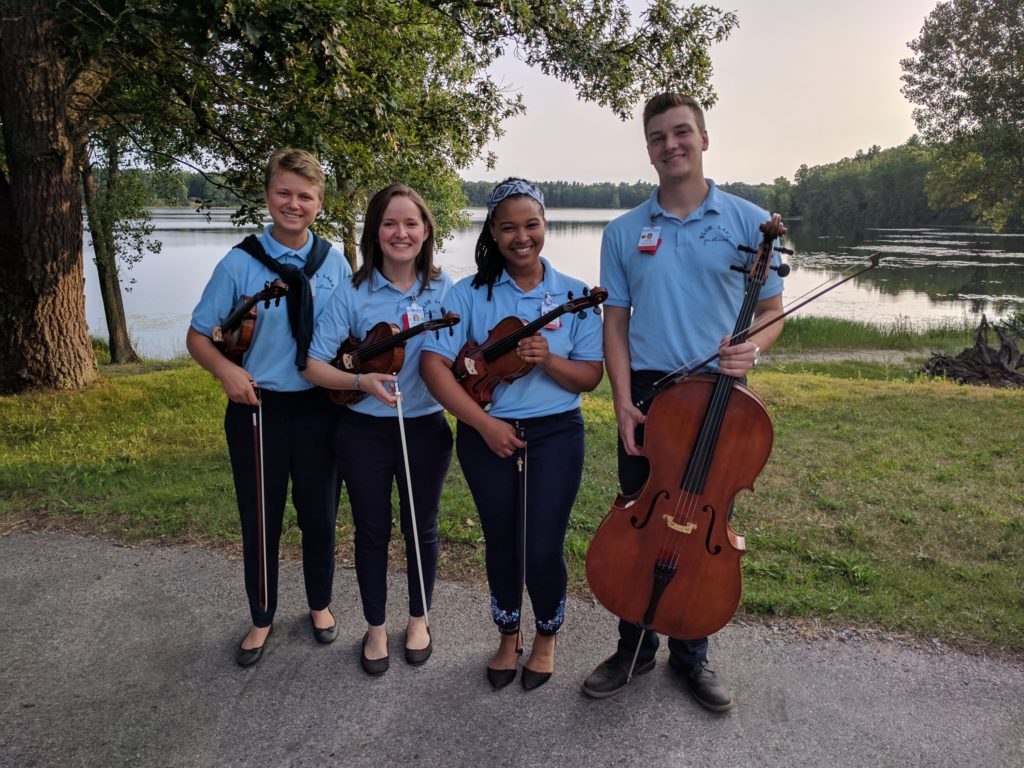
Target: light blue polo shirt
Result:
[270, 359]
[354, 311]
[536, 393]
[684, 297]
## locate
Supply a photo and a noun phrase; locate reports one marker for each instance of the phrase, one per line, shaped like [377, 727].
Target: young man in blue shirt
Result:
[673, 299]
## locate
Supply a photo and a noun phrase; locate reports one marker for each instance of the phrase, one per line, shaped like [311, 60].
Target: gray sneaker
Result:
[611, 676]
[704, 684]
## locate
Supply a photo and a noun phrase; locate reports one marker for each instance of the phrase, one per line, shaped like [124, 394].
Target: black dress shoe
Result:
[416, 656]
[373, 667]
[500, 677]
[704, 685]
[246, 657]
[327, 634]
[531, 679]
[611, 676]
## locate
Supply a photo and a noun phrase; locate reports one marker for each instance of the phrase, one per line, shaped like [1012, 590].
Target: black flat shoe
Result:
[416, 656]
[373, 667]
[246, 657]
[327, 634]
[500, 677]
[531, 679]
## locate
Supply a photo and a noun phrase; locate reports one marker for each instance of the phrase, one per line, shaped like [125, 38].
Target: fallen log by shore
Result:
[981, 363]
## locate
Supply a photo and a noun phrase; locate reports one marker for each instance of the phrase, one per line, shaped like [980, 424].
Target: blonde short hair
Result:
[297, 161]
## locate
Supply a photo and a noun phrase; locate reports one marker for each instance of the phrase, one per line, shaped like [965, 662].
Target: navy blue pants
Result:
[370, 450]
[298, 428]
[554, 468]
[633, 471]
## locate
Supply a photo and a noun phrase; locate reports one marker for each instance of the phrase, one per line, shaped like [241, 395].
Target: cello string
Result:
[700, 461]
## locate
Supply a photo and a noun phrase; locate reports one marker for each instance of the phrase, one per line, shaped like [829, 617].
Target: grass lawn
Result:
[889, 501]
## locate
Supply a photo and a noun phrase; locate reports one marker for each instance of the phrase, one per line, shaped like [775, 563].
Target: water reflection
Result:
[927, 275]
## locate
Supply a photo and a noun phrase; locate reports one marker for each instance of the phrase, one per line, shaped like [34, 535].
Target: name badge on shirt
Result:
[413, 315]
[650, 239]
[546, 306]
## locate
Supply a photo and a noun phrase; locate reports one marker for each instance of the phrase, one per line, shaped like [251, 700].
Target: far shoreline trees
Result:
[965, 76]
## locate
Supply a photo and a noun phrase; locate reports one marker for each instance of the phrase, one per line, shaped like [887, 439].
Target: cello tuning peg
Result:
[786, 251]
[586, 291]
[569, 295]
[597, 311]
[581, 314]
[745, 249]
[782, 269]
[451, 331]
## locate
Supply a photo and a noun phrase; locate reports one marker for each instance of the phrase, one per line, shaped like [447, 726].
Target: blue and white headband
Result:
[508, 189]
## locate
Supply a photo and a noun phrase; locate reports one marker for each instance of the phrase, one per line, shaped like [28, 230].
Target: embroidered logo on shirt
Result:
[714, 233]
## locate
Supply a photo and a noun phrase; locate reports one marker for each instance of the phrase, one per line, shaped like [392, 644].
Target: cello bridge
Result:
[672, 524]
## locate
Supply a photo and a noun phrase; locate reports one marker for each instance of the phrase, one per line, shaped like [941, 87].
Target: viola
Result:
[665, 557]
[479, 368]
[234, 335]
[382, 350]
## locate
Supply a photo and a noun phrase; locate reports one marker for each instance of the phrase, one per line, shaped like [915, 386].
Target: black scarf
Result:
[300, 294]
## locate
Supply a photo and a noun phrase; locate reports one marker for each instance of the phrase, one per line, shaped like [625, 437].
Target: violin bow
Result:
[261, 504]
[756, 327]
[412, 505]
[521, 517]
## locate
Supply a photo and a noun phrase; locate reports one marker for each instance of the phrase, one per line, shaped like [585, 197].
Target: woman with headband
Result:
[540, 410]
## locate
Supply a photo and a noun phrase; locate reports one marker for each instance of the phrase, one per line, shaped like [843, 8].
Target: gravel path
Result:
[123, 656]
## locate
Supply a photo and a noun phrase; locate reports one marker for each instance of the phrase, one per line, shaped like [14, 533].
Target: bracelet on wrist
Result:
[357, 380]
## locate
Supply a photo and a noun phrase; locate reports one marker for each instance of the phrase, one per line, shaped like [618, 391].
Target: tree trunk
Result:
[43, 333]
[348, 241]
[101, 227]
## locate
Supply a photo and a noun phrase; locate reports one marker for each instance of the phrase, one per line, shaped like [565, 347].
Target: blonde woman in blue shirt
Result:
[296, 418]
[513, 279]
[399, 284]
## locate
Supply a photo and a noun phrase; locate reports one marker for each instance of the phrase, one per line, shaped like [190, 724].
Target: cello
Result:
[665, 557]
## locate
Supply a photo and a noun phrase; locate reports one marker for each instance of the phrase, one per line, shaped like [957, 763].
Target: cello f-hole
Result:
[711, 527]
[647, 518]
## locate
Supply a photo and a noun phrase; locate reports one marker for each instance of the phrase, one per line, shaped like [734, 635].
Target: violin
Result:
[381, 351]
[234, 335]
[479, 368]
[665, 557]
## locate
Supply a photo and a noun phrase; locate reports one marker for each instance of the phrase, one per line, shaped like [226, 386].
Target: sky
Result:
[799, 81]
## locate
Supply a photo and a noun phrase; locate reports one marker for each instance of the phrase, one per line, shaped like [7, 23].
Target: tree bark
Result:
[102, 230]
[43, 333]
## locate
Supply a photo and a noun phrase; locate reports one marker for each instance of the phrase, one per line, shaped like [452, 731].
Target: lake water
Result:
[927, 276]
